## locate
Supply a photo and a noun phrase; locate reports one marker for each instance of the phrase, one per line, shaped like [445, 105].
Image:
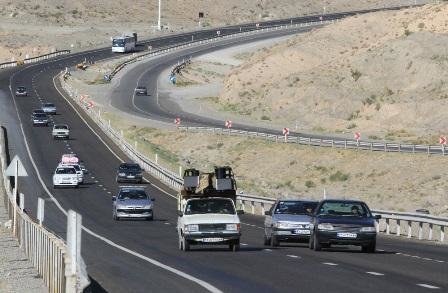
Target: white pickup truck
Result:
[209, 220]
[206, 210]
[65, 176]
[60, 131]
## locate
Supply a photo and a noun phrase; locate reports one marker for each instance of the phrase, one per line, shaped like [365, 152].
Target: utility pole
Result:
[160, 12]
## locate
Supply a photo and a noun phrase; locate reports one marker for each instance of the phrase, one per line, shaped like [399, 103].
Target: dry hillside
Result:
[383, 74]
[38, 26]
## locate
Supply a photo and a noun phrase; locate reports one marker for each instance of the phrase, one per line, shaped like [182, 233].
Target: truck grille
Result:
[212, 227]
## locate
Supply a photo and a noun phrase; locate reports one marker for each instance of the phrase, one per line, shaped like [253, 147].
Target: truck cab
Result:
[207, 214]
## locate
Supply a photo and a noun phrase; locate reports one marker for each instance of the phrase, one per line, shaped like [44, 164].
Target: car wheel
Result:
[266, 240]
[370, 248]
[186, 244]
[234, 246]
[55, 186]
[274, 241]
[115, 217]
[316, 245]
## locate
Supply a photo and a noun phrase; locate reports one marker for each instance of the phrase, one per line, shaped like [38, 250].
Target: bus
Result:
[123, 44]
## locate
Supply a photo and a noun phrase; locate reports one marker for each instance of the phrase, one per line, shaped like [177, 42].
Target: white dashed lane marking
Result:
[292, 256]
[244, 244]
[330, 264]
[166, 223]
[428, 286]
[375, 273]
[100, 185]
[419, 257]
[267, 249]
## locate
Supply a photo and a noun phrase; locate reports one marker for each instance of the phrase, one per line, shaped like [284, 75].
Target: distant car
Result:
[79, 171]
[60, 131]
[132, 202]
[343, 222]
[21, 91]
[40, 119]
[65, 176]
[38, 111]
[129, 172]
[49, 108]
[288, 220]
[141, 90]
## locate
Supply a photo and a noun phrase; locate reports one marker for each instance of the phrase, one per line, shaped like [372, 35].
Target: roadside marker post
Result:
[177, 121]
[357, 138]
[286, 133]
[17, 170]
[40, 210]
[442, 141]
[228, 125]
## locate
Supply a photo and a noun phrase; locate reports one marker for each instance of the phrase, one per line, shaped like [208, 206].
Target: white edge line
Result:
[375, 273]
[204, 284]
[329, 264]
[428, 286]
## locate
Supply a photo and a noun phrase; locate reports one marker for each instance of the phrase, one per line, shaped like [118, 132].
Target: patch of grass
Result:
[322, 169]
[265, 118]
[356, 74]
[353, 115]
[370, 100]
[407, 32]
[351, 126]
[319, 129]
[310, 184]
[338, 176]
[374, 137]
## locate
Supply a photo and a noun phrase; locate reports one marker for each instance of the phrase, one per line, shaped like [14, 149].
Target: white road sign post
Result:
[15, 169]
[40, 210]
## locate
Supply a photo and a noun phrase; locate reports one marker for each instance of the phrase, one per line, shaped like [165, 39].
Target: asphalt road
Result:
[399, 266]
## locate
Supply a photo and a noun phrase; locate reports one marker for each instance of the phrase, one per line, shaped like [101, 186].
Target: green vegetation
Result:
[310, 184]
[338, 176]
[355, 74]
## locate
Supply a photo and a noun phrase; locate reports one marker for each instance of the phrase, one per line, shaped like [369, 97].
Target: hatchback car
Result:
[343, 222]
[288, 220]
[141, 90]
[40, 119]
[129, 172]
[132, 202]
[21, 91]
[49, 108]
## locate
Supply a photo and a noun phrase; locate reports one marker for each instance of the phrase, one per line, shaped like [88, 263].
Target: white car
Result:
[212, 220]
[78, 169]
[65, 176]
[60, 131]
[49, 108]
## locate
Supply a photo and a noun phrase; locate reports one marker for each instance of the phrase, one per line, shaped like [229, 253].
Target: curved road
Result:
[399, 266]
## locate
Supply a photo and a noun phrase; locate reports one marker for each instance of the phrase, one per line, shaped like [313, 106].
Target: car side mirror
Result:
[240, 212]
[377, 217]
[267, 213]
[114, 198]
[180, 214]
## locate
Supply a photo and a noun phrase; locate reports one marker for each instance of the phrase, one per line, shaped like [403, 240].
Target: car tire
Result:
[267, 241]
[274, 241]
[115, 217]
[370, 248]
[316, 244]
[234, 246]
[55, 186]
[185, 244]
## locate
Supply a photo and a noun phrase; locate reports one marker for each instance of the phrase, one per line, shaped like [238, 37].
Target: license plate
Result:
[347, 235]
[212, 239]
[131, 176]
[302, 232]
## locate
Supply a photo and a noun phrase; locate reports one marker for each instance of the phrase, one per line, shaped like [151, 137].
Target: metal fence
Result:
[334, 142]
[46, 251]
[33, 59]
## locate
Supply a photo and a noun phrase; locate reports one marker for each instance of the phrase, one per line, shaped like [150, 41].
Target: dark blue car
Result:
[343, 222]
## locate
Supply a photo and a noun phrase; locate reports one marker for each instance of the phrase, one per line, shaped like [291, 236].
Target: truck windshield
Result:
[209, 206]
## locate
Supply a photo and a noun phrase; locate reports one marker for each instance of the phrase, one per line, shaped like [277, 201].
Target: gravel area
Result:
[16, 272]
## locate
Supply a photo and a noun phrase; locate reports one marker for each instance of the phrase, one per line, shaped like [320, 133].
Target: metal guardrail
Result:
[326, 142]
[46, 251]
[33, 59]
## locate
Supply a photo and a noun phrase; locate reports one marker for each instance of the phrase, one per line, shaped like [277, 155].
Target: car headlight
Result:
[281, 225]
[121, 174]
[147, 207]
[368, 229]
[232, 227]
[325, 226]
[192, 228]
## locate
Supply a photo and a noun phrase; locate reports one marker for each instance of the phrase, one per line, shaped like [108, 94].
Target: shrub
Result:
[338, 176]
[309, 184]
[264, 117]
[351, 126]
[355, 74]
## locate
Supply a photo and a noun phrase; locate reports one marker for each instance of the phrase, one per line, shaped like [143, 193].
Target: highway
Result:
[140, 256]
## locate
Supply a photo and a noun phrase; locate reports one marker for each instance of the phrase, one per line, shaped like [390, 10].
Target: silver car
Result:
[21, 91]
[132, 202]
[49, 108]
[288, 221]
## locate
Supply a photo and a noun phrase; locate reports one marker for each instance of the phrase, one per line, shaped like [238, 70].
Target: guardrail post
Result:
[252, 206]
[398, 227]
[420, 230]
[22, 201]
[442, 233]
[309, 141]
[385, 146]
[371, 146]
[387, 227]
[399, 147]
[345, 144]
[443, 150]
[262, 208]
[40, 210]
[409, 229]
[427, 149]
[430, 232]
[413, 148]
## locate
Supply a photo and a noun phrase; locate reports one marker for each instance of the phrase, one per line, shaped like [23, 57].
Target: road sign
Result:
[173, 78]
[357, 136]
[89, 105]
[442, 140]
[16, 164]
[257, 25]
[321, 18]
[218, 33]
[177, 121]
[285, 131]
[228, 123]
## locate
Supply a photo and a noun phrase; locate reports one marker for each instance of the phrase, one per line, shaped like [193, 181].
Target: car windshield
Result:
[65, 171]
[40, 115]
[21, 89]
[48, 105]
[210, 206]
[345, 209]
[295, 207]
[60, 127]
[141, 88]
[133, 167]
[133, 194]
